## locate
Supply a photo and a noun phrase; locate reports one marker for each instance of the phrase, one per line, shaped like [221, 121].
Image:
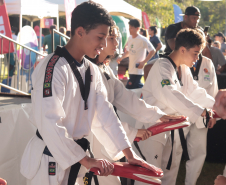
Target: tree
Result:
[163, 9]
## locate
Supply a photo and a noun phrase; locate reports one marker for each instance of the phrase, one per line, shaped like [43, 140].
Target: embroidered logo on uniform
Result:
[85, 180]
[132, 46]
[207, 78]
[206, 71]
[47, 90]
[46, 85]
[52, 168]
[165, 82]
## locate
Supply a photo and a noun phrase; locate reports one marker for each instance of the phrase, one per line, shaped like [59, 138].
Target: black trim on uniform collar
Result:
[195, 73]
[75, 61]
[170, 59]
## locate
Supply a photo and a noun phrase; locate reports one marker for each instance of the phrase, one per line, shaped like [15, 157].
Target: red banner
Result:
[69, 7]
[146, 20]
[5, 29]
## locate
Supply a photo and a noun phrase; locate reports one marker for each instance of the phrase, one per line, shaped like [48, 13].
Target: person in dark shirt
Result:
[155, 41]
[191, 19]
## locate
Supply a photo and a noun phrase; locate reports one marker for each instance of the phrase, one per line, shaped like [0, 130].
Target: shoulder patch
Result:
[47, 86]
[165, 82]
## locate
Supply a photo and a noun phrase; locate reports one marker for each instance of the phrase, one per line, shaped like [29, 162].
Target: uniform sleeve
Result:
[49, 113]
[131, 132]
[167, 92]
[198, 94]
[127, 102]
[212, 90]
[108, 129]
[148, 45]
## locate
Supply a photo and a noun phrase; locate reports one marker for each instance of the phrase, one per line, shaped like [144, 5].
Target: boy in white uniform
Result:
[204, 73]
[64, 109]
[171, 87]
[125, 101]
[138, 46]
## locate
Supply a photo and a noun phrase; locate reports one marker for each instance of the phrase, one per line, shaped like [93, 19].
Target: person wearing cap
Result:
[221, 38]
[191, 19]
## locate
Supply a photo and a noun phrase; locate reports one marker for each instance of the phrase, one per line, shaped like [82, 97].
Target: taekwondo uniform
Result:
[127, 102]
[63, 117]
[205, 75]
[174, 96]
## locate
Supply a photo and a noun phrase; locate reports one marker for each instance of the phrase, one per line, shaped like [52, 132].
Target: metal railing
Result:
[53, 41]
[19, 72]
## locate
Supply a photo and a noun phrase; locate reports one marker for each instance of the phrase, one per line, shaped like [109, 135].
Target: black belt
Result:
[84, 143]
[183, 144]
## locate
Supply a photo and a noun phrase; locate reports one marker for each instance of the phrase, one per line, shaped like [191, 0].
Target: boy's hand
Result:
[119, 59]
[135, 160]
[211, 123]
[106, 168]
[141, 65]
[167, 118]
[220, 103]
[143, 134]
[220, 180]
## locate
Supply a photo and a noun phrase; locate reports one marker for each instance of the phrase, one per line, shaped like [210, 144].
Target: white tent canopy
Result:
[116, 7]
[32, 10]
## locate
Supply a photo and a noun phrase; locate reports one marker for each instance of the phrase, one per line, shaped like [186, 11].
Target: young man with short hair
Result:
[68, 101]
[191, 19]
[171, 87]
[137, 49]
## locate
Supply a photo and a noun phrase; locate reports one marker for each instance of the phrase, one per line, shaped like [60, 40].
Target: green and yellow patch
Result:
[165, 82]
[46, 85]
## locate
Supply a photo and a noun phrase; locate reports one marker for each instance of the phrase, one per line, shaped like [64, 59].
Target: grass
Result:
[207, 176]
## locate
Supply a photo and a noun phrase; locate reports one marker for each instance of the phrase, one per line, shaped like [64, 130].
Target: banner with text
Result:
[146, 20]
[5, 29]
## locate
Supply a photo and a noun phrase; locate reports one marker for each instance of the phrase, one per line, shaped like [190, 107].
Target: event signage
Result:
[69, 7]
[146, 20]
[46, 23]
[5, 29]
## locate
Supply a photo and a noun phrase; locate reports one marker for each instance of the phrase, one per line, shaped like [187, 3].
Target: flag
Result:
[177, 12]
[5, 29]
[69, 7]
[146, 20]
[158, 23]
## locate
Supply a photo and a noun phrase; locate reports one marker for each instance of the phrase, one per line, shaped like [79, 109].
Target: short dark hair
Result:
[89, 15]
[52, 27]
[189, 38]
[153, 28]
[135, 23]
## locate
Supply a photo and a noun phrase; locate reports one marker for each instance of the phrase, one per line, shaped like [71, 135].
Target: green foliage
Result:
[163, 9]
[213, 13]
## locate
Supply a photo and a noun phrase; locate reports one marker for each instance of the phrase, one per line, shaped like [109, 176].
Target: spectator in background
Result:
[48, 40]
[217, 57]
[68, 33]
[62, 30]
[138, 45]
[144, 32]
[155, 41]
[12, 63]
[221, 38]
[217, 44]
[37, 31]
